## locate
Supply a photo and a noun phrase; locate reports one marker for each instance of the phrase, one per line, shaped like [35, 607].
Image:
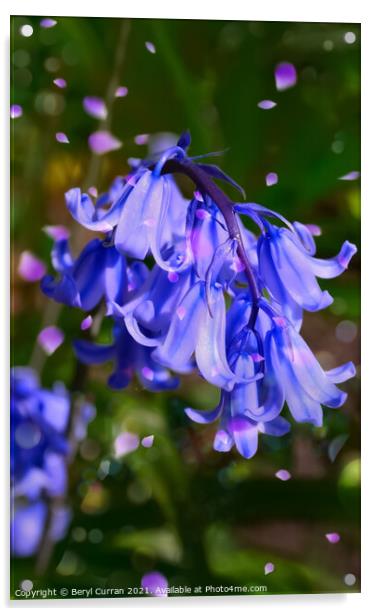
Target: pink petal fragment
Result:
[173, 277]
[57, 232]
[266, 104]
[269, 568]
[352, 175]
[61, 138]
[141, 139]
[285, 76]
[125, 443]
[102, 142]
[315, 230]
[47, 22]
[50, 338]
[150, 47]
[95, 107]
[181, 312]
[60, 82]
[283, 474]
[16, 111]
[147, 441]
[93, 191]
[31, 268]
[272, 178]
[147, 373]
[121, 92]
[86, 323]
[198, 196]
[333, 537]
[154, 583]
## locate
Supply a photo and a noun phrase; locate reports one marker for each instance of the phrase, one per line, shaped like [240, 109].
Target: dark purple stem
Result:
[207, 186]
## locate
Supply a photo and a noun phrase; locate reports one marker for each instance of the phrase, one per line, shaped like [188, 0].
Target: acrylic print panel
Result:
[185, 308]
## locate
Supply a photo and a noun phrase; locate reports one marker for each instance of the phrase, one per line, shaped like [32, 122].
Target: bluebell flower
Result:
[289, 269]
[151, 205]
[129, 358]
[39, 457]
[99, 273]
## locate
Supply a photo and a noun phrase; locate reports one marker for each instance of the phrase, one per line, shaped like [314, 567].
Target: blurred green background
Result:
[197, 516]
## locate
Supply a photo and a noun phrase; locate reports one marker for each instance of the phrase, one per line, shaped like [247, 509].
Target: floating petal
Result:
[155, 583]
[121, 91]
[349, 177]
[150, 47]
[95, 107]
[266, 104]
[50, 338]
[60, 82]
[269, 568]
[16, 111]
[61, 138]
[86, 323]
[147, 441]
[285, 76]
[333, 537]
[47, 22]
[31, 268]
[272, 178]
[283, 474]
[57, 232]
[125, 443]
[102, 142]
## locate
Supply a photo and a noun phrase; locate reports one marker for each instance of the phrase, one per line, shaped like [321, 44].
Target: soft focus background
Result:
[195, 515]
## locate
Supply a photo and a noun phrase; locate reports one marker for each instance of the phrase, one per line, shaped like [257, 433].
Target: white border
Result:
[271, 10]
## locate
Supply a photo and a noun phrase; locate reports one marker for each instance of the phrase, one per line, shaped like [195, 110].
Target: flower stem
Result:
[206, 185]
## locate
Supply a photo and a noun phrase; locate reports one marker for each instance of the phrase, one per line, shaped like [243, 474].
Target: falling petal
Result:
[155, 583]
[16, 111]
[267, 104]
[93, 191]
[95, 107]
[50, 339]
[60, 82]
[147, 441]
[125, 443]
[57, 232]
[61, 138]
[102, 142]
[271, 179]
[352, 175]
[173, 277]
[283, 474]
[285, 76]
[121, 92]
[86, 323]
[333, 537]
[150, 47]
[47, 22]
[269, 568]
[315, 230]
[141, 139]
[31, 268]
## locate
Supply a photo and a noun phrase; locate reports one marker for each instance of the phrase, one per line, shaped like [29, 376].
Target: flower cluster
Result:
[190, 287]
[40, 449]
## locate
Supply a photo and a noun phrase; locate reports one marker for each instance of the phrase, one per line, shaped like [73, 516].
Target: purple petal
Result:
[269, 568]
[272, 178]
[102, 142]
[283, 474]
[150, 47]
[95, 107]
[141, 139]
[31, 268]
[330, 268]
[204, 417]
[86, 323]
[50, 338]
[147, 441]
[342, 373]
[57, 232]
[352, 175]
[27, 528]
[285, 76]
[245, 434]
[155, 583]
[223, 441]
[16, 111]
[60, 82]
[47, 22]
[125, 443]
[333, 537]
[121, 92]
[93, 192]
[266, 104]
[61, 138]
